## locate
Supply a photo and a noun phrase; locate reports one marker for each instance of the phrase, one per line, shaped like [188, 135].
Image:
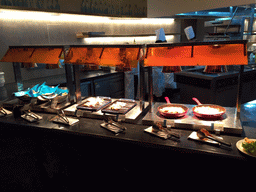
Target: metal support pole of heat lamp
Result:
[150, 87]
[141, 70]
[142, 85]
[76, 71]
[69, 78]
[239, 93]
[18, 77]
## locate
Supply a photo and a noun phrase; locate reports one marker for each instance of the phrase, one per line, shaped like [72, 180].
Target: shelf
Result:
[81, 36]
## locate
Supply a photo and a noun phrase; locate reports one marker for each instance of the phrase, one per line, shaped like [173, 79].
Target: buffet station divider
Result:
[124, 58]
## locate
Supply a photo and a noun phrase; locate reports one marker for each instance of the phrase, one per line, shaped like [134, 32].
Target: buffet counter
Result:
[131, 156]
[135, 134]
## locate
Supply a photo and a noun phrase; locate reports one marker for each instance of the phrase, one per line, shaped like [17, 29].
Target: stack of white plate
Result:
[2, 81]
[3, 91]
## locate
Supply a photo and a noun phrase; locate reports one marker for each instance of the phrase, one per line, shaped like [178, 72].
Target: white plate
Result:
[240, 148]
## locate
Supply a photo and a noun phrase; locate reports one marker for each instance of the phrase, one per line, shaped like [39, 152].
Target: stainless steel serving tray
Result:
[129, 104]
[106, 101]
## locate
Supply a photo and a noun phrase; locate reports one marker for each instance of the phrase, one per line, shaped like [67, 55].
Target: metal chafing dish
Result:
[120, 106]
[94, 103]
[131, 116]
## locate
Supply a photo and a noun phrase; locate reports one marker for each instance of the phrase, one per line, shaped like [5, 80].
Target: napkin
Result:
[189, 32]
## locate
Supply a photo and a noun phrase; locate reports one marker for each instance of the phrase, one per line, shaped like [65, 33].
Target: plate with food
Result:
[120, 106]
[247, 146]
[94, 103]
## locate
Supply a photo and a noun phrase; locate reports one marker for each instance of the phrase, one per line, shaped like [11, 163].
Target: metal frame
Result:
[76, 70]
[18, 76]
[142, 83]
[239, 92]
[150, 87]
[109, 46]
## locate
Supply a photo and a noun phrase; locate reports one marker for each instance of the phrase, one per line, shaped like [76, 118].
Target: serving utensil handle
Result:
[167, 99]
[219, 140]
[197, 101]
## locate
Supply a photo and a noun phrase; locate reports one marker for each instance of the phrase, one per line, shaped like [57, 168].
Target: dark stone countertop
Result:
[135, 134]
[134, 157]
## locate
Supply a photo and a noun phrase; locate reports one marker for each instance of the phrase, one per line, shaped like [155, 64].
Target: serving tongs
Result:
[112, 125]
[169, 133]
[62, 116]
[203, 133]
[3, 111]
[30, 116]
[33, 115]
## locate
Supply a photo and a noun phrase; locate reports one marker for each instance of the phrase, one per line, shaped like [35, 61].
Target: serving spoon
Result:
[202, 135]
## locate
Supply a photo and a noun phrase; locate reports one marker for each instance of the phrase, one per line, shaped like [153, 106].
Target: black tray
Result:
[97, 107]
[129, 105]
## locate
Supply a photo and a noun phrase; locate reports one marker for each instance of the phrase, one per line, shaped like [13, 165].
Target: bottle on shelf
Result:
[57, 5]
[96, 10]
[92, 6]
[88, 6]
[129, 10]
[126, 10]
[100, 9]
[105, 7]
[83, 6]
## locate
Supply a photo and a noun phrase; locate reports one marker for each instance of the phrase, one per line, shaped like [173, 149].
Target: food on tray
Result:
[118, 105]
[63, 94]
[249, 146]
[172, 110]
[207, 110]
[93, 102]
[205, 132]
